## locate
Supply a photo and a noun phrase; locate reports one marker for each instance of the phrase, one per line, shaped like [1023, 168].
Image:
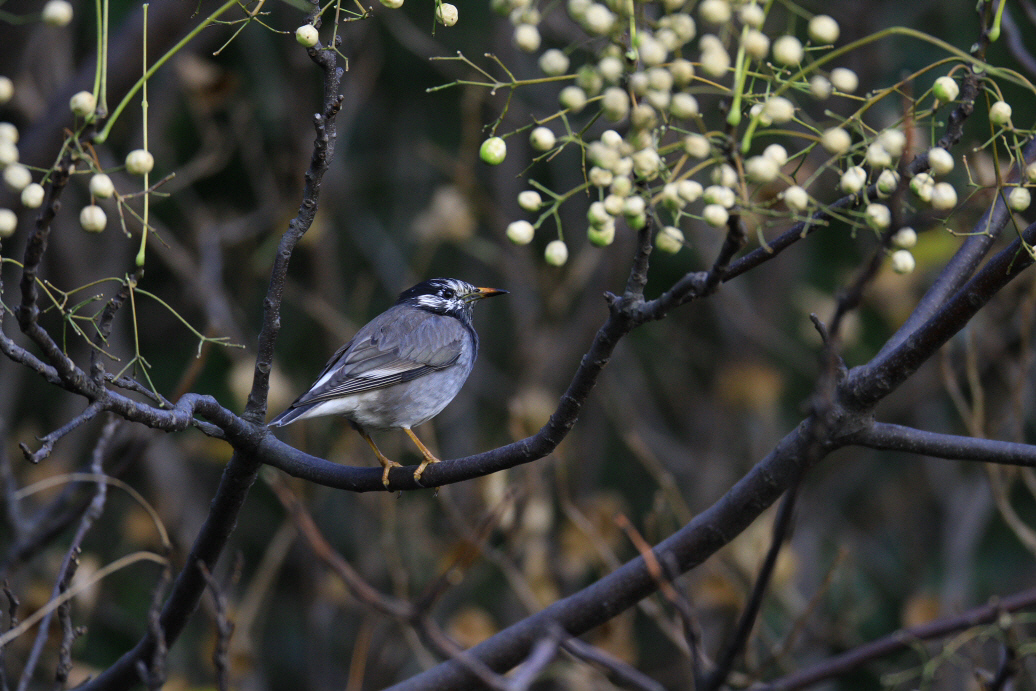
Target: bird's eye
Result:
[448, 293]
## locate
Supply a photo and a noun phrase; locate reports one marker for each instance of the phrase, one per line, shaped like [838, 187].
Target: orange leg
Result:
[429, 457]
[385, 462]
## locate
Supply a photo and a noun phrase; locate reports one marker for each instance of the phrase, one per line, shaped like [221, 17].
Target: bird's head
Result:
[447, 296]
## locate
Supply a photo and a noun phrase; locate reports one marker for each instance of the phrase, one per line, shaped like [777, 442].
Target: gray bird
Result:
[402, 368]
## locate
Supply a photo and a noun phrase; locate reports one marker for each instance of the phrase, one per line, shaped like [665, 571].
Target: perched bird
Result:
[402, 368]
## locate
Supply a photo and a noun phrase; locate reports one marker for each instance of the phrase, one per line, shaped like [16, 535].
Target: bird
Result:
[400, 369]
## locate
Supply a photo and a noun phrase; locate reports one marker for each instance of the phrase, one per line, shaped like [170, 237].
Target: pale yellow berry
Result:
[689, 190]
[447, 14]
[8, 223]
[878, 156]
[83, 104]
[940, 161]
[634, 206]
[787, 51]
[714, 11]
[621, 186]
[683, 106]
[697, 146]
[57, 13]
[573, 98]
[820, 86]
[651, 51]
[610, 68]
[647, 163]
[8, 133]
[527, 38]
[615, 103]
[530, 200]
[894, 142]
[669, 240]
[307, 35]
[779, 109]
[944, 196]
[612, 139]
[556, 253]
[139, 162]
[32, 196]
[796, 198]
[836, 141]
[761, 169]
[878, 216]
[101, 186]
[17, 177]
[887, 183]
[392, 4]
[823, 29]
[853, 180]
[714, 57]
[905, 237]
[93, 219]
[542, 139]
[682, 71]
[720, 196]
[520, 232]
[715, 215]
[600, 177]
[598, 19]
[1019, 199]
[577, 8]
[554, 62]
[756, 44]
[6, 90]
[751, 15]
[8, 153]
[922, 186]
[1030, 172]
[598, 214]
[1000, 113]
[724, 175]
[845, 80]
[671, 196]
[903, 261]
[777, 153]
[613, 205]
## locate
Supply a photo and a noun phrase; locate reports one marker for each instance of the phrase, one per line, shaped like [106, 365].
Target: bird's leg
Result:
[385, 462]
[429, 457]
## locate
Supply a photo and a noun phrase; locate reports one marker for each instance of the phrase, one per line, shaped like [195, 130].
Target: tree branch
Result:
[888, 437]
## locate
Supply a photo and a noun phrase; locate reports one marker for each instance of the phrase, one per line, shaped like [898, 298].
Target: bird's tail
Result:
[290, 415]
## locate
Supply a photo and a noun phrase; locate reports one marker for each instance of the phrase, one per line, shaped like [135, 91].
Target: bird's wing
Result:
[395, 347]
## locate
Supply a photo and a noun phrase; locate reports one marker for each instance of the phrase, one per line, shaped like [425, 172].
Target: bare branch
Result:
[888, 437]
[618, 671]
[904, 639]
[50, 439]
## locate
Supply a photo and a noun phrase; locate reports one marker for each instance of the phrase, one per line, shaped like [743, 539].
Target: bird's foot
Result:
[428, 460]
[387, 465]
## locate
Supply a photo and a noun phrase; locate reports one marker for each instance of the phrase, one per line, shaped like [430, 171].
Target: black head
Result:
[447, 296]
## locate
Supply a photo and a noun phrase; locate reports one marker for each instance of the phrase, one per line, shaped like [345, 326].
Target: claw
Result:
[382, 459]
[387, 465]
[429, 457]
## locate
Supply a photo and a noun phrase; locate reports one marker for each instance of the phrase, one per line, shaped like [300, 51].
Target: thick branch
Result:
[869, 383]
[964, 261]
[621, 589]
